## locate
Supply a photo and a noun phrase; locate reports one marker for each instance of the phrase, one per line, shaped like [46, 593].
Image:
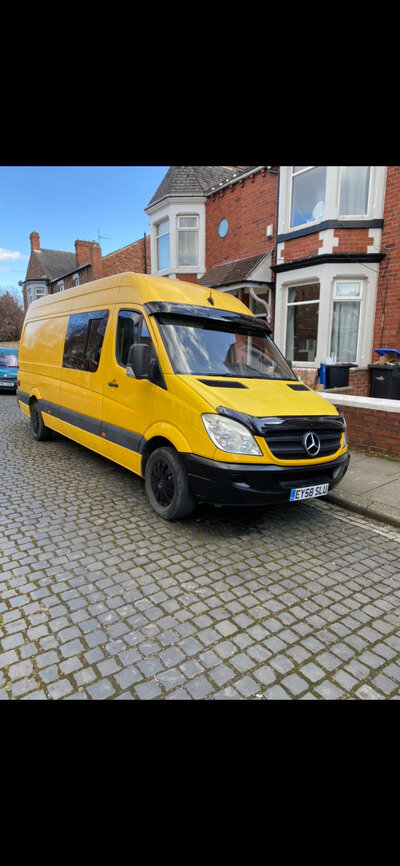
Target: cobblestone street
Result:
[101, 599]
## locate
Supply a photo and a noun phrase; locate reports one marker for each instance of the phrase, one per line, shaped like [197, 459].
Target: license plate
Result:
[308, 492]
[7, 384]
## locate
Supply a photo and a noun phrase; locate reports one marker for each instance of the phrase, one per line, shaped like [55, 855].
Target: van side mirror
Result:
[138, 362]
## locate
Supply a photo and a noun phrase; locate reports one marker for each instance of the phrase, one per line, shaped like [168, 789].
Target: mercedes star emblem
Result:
[311, 444]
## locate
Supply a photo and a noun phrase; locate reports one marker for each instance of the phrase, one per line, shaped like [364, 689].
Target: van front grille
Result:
[289, 444]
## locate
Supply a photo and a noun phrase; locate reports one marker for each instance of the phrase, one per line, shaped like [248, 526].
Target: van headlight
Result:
[229, 435]
[344, 439]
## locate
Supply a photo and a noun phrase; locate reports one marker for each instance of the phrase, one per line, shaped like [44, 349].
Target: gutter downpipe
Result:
[271, 171]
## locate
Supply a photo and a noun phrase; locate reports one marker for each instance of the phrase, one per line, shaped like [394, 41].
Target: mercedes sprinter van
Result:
[183, 386]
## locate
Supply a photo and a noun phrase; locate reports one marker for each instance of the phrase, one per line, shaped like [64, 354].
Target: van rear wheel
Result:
[167, 485]
[38, 428]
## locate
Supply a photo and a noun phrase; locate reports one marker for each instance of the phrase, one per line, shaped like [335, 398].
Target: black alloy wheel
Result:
[38, 428]
[167, 484]
[162, 483]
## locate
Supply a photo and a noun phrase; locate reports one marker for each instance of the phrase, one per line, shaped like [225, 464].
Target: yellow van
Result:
[183, 386]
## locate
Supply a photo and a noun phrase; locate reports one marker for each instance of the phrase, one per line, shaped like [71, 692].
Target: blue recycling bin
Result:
[322, 374]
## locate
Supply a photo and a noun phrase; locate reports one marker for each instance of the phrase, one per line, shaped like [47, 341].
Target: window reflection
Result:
[208, 348]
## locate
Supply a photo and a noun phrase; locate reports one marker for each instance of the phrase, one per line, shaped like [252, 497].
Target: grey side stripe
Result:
[117, 435]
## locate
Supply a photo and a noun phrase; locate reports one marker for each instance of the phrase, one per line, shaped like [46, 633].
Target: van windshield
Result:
[8, 359]
[204, 347]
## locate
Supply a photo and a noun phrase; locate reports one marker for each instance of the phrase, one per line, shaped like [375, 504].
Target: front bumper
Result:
[8, 384]
[255, 484]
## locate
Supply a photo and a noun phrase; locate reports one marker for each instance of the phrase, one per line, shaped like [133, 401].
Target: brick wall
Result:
[187, 278]
[85, 276]
[360, 381]
[376, 432]
[387, 314]
[301, 248]
[129, 258]
[351, 241]
[250, 206]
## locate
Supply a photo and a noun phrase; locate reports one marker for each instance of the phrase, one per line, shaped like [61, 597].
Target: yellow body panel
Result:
[139, 406]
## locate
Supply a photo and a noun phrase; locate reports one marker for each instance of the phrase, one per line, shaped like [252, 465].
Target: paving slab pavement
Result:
[371, 486]
[100, 599]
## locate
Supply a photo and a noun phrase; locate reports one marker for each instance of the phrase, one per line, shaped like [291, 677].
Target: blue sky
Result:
[64, 203]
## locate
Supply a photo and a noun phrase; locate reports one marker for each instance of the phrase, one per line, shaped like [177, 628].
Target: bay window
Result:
[162, 237]
[302, 322]
[354, 190]
[308, 194]
[347, 297]
[188, 233]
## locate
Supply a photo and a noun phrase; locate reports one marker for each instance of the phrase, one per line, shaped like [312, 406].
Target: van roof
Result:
[130, 287]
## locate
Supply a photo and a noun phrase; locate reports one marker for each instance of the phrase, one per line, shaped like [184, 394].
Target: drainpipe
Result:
[145, 253]
[261, 301]
[272, 171]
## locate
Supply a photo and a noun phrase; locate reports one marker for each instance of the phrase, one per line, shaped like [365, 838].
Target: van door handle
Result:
[113, 384]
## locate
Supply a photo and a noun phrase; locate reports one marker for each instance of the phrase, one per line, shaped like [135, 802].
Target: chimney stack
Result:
[89, 252]
[35, 241]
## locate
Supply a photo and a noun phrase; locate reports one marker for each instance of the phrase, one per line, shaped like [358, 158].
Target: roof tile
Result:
[231, 272]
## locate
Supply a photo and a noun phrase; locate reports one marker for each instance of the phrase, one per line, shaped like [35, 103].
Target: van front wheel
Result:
[38, 428]
[167, 486]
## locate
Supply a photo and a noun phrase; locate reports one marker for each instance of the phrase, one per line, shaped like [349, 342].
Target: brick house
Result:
[215, 225]
[314, 248]
[51, 271]
[335, 227]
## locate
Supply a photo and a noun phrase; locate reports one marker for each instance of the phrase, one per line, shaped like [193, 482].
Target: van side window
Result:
[145, 338]
[84, 340]
[131, 329]
[127, 333]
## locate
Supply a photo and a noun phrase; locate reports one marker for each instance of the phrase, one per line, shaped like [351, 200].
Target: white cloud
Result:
[10, 255]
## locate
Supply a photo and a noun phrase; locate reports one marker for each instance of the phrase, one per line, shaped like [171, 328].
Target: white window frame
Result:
[61, 286]
[356, 216]
[326, 274]
[294, 174]
[159, 223]
[171, 208]
[187, 229]
[332, 197]
[75, 279]
[298, 285]
[345, 299]
[39, 293]
[33, 289]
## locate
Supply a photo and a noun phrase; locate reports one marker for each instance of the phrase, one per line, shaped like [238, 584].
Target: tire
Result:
[167, 485]
[38, 428]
